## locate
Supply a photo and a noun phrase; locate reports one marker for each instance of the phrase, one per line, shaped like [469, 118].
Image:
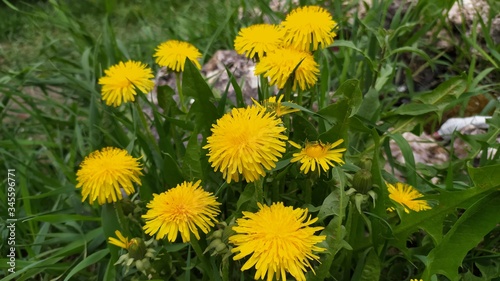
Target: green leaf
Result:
[248, 197]
[334, 204]
[191, 166]
[446, 91]
[350, 45]
[339, 113]
[368, 267]
[303, 129]
[404, 146]
[414, 109]
[165, 100]
[370, 105]
[350, 90]
[485, 177]
[193, 85]
[466, 233]
[173, 175]
[110, 223]
[86, 262]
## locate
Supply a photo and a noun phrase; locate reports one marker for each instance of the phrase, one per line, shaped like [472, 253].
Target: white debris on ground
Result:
[429, 150]
[242, 70]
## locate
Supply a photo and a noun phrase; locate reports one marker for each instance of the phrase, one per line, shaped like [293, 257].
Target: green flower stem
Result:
[288, 89]
[147, 130]
[205, 264]
[308, 188]
[179, 90]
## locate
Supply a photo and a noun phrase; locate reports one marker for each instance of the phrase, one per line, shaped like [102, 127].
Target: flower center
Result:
[315, 151]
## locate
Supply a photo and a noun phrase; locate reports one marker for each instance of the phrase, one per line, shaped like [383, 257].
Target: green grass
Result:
[53, 52]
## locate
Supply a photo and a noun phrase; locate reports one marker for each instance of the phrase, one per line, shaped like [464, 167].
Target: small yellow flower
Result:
[278, 239]
[257, 40]
[308, 28]
[406, 195]
[173, 54]
[416, 279]
[247, 142]
[273, 105]
[121, 242]
[317, 156]
[280, 64]
[184, 209]
[104, 174]
[121, 82]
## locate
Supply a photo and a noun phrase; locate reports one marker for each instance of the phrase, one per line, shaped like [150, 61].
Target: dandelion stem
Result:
[179, 90]
[144, 123]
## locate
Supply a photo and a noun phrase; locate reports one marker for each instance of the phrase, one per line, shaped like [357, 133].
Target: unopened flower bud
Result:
[362, 181]
[137, 248]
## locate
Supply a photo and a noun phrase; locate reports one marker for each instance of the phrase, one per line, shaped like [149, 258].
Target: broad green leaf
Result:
[485, 177]
[303, 129]
[350, 90]
[339, 113]
[466, 233]
[191, 166]
[248, 197]
[335, 233]
[334, 204]
[414, 109]
[451, 88]
[193, 85]
[86, 262]
[368, 267]
[164, 96]
[173, 175]
[110, 223]
[370, 105]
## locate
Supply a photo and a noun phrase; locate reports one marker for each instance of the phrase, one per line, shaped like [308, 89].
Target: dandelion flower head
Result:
[105, 173]
[279, 65]
[121, 82]
[407, 196]
[278, 240]
[185, 209]
[308, 28]
[273, 105]
[317, 155]
[121, 242]
[257, 40]
[246, 142]
[173, 54]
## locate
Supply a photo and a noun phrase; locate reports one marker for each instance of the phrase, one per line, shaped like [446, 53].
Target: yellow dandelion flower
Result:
[104, 174]
[416, 279]
[273, 105]
[308, 28]
[173, 54]
[278, 239]
[246, 141]
[257, 40]
[121, 242]
[279, 65]
[184, 209]
[121, 82]
[406, 195]
[317, 156]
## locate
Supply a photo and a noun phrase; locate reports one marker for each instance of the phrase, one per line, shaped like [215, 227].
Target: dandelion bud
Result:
[362, 181]
[137, 248]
